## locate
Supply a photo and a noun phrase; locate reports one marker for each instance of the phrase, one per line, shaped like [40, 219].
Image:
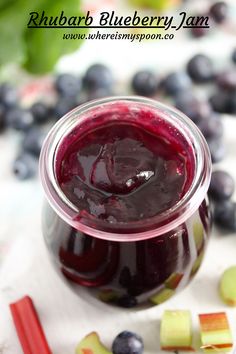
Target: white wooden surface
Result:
[24, 263]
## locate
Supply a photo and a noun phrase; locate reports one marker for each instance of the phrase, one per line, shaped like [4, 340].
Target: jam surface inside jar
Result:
[125, 170]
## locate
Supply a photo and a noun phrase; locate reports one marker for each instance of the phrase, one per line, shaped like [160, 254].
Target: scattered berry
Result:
[221, 102]
[219, 11]
[200, 68]
[145, 83]
[98, 76]
[227, 80]
[225, 215]
[63, 106]
[25, 166]
[33, 141]
[211, 128]
[8, 95]
[40, 112]
[191, 106]
[222, 185]
[127, 343]
[68, 85]
[176, 82]
[19, 119]
[217, 149]
[2, 117]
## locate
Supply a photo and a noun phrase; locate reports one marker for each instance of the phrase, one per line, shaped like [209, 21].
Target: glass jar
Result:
[129, 264]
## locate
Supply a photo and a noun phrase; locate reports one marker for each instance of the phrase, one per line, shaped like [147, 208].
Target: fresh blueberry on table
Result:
[145, 83]
[222, 185]
[99, 92]
[225, 214]
[200, 68]
[25, 166]
[19, 119]
[68, 85]
[33, 141]
[211, 128]
[227, 80]
[8, 95]
[176, 82]
[41, 112]
[98, 76]
[195, 109]
[219, 11]
[221, 101]
[217, 149]
[63, 106]
[127, 343]
[2, 117]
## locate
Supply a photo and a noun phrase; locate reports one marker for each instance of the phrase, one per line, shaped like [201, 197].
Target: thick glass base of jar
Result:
[128, 274]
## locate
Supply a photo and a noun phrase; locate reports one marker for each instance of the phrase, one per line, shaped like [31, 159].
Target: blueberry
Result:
[98, 76]
[99, 92]
[144, 83]
[2, 117]
[227, 80]
[33, 141]
[19, 119]
[68, 85]
[41, 112]
[176, 82]
[25, 166]
[221, 102]
[222, 185]
[200, 68]
[8, 95]
[194, 108]
[211, 128]
[63, 106]
[219, 11]
[234, 56]
[232, 102]
[127, 343]
[127, 301]
[225, 214]
[217, 149]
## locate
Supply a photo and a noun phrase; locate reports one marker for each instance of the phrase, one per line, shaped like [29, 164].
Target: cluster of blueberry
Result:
[218, 12]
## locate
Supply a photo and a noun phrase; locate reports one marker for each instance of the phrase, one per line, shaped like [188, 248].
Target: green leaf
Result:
[44, 46]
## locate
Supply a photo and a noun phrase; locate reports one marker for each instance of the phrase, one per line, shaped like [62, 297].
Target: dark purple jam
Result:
[120, 165]
[122, 172]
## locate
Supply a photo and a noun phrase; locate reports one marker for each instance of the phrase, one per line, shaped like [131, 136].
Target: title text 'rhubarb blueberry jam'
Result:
[127, 217]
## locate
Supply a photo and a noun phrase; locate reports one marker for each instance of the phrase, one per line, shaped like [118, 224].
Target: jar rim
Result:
[156, 225]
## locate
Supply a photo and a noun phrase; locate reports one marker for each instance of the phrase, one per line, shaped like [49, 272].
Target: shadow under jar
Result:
[127, 216]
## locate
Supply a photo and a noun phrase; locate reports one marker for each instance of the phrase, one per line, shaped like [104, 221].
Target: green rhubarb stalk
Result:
[228, 286]
[91, 344]
[215, 333]
[176, 330]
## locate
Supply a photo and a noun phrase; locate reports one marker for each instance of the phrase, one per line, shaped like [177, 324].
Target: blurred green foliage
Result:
[37, 50]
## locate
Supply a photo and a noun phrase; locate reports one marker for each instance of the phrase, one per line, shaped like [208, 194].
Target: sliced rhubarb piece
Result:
[91, 344]
[228, 286]
[28, 327]
[162, 296]
[173, 281]
[215, 333]
[176, 331]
